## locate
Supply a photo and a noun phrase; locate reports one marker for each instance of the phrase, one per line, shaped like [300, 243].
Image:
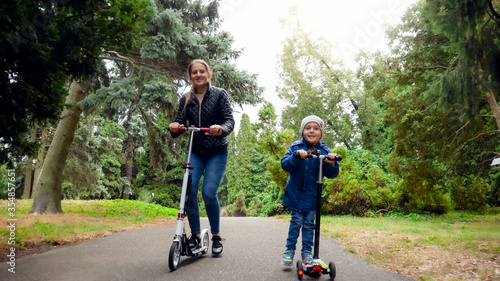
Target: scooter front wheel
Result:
[205, 241]
[300, 270]
[174, 255]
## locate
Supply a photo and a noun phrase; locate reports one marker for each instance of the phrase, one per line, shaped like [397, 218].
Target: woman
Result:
[205, 106]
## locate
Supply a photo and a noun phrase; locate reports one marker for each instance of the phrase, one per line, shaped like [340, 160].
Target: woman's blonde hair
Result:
[191, 92]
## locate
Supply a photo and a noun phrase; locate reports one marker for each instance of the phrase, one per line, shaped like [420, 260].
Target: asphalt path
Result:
[252, 251]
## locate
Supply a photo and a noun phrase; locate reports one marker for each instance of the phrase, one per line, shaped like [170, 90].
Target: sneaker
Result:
[194, 241]
[287, 257]
[217, 248]
[306, 257]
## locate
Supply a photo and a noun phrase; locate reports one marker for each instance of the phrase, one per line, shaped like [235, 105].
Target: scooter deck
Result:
[315, 266]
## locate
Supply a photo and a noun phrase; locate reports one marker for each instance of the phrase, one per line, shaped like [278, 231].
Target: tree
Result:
[246, 171]
[377, 75]
[146, 82]
[312, 82]
[273, 143]
[77, 47]
[472, 28]
[47, 197]
[434, 144]
[472, 81]
[238, 176]
[43, 43]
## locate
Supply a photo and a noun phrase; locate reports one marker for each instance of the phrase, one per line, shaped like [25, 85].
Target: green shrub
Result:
[255, 207]
[272, 200]
[426, 197]
[238, 209]
[165, 200]
[364, 184]
[469, 193]
[69, 191]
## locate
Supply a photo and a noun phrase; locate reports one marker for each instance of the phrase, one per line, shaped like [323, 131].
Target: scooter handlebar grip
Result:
[337, 158]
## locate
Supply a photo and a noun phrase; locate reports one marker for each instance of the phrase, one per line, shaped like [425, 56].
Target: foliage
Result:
[433, 144]
[416, 126]
[238, 208]
[93, 168]
[274, 144]
[364, 184]
[470, 193]
[246, 173]
[313, 82]
[246, 170]
[167, 187]
[46, 43]
[7, 181]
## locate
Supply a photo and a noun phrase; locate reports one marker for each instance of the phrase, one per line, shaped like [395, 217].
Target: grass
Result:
[457, 246]
[82, 220]
[453, 247]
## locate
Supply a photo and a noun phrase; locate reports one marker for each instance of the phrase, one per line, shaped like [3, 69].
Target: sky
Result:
[348, 25]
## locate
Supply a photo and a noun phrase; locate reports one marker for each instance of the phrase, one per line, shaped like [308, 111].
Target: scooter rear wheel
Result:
[333, 270]
[174, 255]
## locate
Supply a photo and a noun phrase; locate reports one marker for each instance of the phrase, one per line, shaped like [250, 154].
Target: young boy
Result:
[301, 188]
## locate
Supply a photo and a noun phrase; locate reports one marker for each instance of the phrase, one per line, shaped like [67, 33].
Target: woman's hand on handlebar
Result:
[174, 127]
[214, 130]
[331, 156]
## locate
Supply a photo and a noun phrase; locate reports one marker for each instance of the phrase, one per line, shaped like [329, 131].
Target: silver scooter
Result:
[180, 246]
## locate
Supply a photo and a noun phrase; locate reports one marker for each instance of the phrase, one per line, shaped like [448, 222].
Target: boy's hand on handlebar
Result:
[174, 127]
[301, 153]
[215, 130]
[331, 156]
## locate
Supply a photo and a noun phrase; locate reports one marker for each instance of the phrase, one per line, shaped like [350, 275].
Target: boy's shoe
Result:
[287, 257]
[194, 242]
[307, 257]
[217, 247]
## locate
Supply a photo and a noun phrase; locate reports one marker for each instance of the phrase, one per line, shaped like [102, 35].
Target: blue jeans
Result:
[304, 220]
[212, 166]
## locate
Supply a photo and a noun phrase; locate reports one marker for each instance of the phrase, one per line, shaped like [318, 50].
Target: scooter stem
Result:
[318, 206]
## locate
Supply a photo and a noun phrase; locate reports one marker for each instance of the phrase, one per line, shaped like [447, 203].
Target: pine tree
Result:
[472, 28]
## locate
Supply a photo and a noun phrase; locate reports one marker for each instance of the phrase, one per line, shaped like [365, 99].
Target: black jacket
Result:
[215, 110]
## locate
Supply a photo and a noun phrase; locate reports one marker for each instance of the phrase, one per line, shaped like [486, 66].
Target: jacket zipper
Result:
[199, 113]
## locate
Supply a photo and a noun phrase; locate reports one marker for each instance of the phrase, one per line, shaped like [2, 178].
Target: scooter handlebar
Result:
[193, 128]
[311, 155]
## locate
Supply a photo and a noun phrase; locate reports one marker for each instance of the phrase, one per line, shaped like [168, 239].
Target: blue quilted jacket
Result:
[301, 188]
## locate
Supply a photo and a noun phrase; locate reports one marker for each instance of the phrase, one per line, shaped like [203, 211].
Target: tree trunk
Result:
[47, 196]
[154, 154]
[129, 162]
[42, 151]
[494, 108]
[28, 179]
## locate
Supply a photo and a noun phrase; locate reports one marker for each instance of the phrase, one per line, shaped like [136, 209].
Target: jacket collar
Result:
[318, 145]
[209, 88]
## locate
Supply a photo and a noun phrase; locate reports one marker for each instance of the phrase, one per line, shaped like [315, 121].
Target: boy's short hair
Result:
[312, 118]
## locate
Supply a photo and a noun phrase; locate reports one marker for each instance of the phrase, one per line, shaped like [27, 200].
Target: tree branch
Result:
[493, 11]
[431, 67]
[458, 131]
[485, 133]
